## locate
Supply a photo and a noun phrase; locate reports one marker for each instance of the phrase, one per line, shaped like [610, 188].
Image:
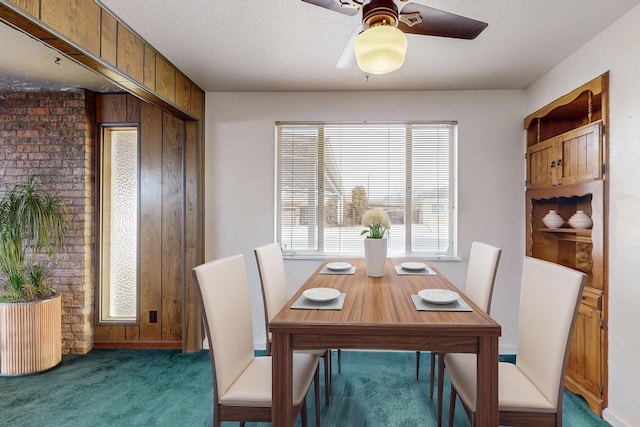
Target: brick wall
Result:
[51, 135]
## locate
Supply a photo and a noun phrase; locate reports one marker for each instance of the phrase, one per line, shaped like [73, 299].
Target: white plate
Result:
[338, 266]
[438, 296]
[321, 294]
[413, 266]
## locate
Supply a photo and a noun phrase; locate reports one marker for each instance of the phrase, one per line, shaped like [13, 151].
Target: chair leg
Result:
[432, 373]
[440, 386]
[327, 377]
[339, 361]
[417, 365]
[316, 380]
[303, 413]
[216, 414]
[452, 405]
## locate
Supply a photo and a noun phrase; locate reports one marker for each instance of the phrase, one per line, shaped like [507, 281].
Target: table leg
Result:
[282, 380]
[487, 392]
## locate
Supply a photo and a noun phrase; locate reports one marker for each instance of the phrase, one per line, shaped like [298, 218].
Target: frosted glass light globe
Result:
[381, 49]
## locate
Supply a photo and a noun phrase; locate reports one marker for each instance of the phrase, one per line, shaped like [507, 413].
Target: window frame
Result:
[452, 153]
[102, 299]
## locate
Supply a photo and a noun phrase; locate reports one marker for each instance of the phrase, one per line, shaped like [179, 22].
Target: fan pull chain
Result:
[589, 108]
[538, 131]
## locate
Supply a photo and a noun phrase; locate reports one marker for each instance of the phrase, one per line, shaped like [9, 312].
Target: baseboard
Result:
[612, 418]
[507, 348]
[138, 345]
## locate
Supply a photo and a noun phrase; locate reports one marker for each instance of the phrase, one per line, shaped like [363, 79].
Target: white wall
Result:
[239, 176]
[617, 50]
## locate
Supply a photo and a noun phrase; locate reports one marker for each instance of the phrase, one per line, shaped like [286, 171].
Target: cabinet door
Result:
[584, 359]
[541, 164]
[580, 154]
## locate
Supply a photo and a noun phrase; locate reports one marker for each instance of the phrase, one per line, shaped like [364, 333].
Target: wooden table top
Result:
[382, 305]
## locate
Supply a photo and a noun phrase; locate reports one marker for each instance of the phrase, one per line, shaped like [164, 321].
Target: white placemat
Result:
[303, 303]
[425, 272]
[350, 270]
[422, 305]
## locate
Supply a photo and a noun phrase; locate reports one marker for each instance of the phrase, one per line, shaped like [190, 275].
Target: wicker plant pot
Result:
[30, 336]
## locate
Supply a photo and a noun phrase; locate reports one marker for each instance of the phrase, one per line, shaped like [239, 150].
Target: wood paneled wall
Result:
[92, 36]
[89, 34]
[168, 238]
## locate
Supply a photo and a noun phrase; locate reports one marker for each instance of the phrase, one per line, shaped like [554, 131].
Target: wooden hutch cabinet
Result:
[566, 156]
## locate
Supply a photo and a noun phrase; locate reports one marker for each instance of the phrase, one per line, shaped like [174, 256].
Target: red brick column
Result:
[51, 135]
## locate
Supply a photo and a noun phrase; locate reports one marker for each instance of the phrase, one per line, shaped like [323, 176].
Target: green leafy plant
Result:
[377, 222]
[32, 227]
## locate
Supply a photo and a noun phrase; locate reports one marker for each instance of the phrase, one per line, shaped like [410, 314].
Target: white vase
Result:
[553, 220]
[375, 255]
[580, 220]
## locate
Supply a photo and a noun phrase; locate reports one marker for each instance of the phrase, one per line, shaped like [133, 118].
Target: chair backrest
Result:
[481, 274]
[273, 280]
[549, 301]
[226, 309]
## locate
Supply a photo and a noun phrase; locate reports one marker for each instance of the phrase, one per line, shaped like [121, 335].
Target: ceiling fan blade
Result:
[347, 60]
[439, 23]
[333, 5]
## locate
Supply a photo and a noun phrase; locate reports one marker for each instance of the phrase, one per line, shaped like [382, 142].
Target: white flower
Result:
[377, 222]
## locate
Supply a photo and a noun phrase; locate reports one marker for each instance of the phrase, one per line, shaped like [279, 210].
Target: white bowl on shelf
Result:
[580, 220]
[553, 220]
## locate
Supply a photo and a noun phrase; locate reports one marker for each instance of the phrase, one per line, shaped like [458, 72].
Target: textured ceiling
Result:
[27, 64]
[289, 45]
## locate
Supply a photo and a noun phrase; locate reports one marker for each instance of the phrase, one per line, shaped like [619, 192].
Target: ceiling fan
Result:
[385, 52]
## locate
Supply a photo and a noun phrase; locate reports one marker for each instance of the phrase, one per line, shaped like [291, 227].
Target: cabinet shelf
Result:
[582, 235]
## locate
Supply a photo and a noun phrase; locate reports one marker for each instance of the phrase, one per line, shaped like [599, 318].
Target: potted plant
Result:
[32, 227]
[376, 222]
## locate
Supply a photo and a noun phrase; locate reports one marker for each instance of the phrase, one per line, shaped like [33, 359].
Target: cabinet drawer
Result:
[592, 298]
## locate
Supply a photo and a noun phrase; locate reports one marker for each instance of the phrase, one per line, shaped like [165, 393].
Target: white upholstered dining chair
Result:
[529, 391]
[275, 295]
[241, 381]
[481, 275]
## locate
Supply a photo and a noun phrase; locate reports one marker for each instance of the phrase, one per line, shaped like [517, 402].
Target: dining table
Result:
[382, 313]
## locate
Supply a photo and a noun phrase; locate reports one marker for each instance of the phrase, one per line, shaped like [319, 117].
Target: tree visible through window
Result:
[329, 174]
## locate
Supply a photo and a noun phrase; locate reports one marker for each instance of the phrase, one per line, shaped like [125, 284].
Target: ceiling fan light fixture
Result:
[380, 49]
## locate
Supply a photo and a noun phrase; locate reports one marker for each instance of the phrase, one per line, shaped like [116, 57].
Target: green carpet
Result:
[115, 388]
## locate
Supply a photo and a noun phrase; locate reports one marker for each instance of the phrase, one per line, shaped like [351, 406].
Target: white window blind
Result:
[329, 174]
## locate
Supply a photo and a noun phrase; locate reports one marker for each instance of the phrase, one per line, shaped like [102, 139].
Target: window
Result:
[118, 279]
[329, 174]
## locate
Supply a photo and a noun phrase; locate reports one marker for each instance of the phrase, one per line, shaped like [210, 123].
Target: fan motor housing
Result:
[380, 12]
